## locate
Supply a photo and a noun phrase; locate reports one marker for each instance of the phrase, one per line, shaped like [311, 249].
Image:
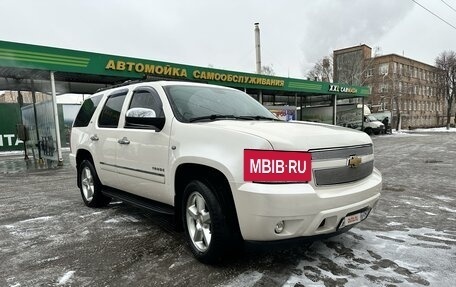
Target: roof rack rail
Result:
[124, 83]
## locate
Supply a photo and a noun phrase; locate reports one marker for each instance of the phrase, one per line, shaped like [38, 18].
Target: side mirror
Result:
[141, 113]
[143, 118]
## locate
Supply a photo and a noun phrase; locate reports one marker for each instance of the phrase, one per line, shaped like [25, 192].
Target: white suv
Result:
[226, 167]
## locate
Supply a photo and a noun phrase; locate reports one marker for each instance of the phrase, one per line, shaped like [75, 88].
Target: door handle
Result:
[94, 137]
[123, 140]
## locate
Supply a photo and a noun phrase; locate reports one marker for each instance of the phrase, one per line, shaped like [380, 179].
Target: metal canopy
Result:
[24, 61]
[20, 79]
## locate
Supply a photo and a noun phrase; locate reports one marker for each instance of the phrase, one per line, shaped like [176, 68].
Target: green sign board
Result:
[18, 55]
[10, 115]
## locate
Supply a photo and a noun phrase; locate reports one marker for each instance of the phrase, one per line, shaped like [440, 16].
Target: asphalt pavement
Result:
[49, 238]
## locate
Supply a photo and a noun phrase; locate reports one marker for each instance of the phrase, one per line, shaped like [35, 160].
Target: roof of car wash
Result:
[85, 72]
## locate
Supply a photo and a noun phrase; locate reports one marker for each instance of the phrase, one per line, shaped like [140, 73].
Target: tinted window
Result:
[147, 98]
[86, 111]
[109, 116]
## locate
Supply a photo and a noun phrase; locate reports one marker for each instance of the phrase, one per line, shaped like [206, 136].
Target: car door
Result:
[105, 137]
[142, 152]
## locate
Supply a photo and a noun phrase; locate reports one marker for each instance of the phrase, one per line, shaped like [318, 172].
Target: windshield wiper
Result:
[218, 117]
[212, 118]
[258, 118]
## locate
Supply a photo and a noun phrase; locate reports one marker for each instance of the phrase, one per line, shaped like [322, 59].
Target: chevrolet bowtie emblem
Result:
[354, 161]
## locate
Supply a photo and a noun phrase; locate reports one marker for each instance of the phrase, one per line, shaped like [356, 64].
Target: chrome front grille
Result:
[330, 166]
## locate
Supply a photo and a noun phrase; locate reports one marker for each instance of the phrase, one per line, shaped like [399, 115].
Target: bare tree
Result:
[446, 62]
[322, 70]
[267, 70]
[394, 96]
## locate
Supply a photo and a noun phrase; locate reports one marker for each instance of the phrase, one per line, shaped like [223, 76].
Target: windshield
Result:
[371, 118]
[191, 103]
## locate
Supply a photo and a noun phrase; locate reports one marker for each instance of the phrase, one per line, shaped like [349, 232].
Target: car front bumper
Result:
[305, 210]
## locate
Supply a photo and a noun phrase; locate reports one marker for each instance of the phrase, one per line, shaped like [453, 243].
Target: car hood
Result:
[297, 135]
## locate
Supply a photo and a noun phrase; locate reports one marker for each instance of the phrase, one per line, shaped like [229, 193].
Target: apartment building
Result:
[406, 87]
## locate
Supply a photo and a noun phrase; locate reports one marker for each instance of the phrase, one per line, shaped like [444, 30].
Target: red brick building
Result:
[406, 87]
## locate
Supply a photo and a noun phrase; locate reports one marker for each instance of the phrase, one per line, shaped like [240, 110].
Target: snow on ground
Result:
[246, 279]
[434, 130]
[64, 279]
[416, 257]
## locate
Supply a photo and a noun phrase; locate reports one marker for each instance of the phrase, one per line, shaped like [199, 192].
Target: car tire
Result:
[206, 228]
[368, 131]
[90, 186]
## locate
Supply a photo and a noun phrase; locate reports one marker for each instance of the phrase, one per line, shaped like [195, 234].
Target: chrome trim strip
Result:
[133, 169]
[321, 164]
[342, 152]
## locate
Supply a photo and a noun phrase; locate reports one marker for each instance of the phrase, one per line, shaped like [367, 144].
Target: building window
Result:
[383, 69]
[369, 73]
[383, 88]
[394, 67]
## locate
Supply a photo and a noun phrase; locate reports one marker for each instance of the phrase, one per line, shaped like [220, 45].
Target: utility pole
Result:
[257, 48]
[258, 57]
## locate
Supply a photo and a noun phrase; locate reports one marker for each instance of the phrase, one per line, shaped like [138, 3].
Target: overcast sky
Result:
[294, 33]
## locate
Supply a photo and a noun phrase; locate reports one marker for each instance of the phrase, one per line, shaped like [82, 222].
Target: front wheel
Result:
[205, 226]
[90, 186]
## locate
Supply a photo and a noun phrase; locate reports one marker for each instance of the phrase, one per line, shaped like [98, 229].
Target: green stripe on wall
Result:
[305, 86]
[44, 55]
[44, 58]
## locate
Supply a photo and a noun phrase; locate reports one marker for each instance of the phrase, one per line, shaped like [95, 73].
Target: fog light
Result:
[279, 227]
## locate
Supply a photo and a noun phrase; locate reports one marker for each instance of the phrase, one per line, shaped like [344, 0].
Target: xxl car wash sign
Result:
[342, 89]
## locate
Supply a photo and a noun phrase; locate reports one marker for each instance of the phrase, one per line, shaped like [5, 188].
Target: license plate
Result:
[352, 219]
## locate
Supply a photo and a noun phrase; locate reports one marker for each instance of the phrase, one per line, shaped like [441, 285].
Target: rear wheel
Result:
[206, 228]
[90, 186]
